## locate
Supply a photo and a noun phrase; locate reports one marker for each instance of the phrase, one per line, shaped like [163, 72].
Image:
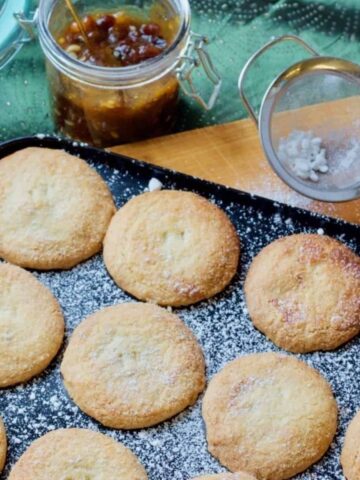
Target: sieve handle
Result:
[257, 54]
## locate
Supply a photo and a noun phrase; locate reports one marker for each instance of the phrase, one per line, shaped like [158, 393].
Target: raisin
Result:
[115, 41]
[88, 23]
[150, 29]
[105, 22]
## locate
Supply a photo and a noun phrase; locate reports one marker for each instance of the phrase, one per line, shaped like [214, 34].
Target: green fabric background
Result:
[236, 29]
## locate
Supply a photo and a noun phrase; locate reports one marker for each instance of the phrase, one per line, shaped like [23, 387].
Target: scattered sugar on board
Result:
[177, 449]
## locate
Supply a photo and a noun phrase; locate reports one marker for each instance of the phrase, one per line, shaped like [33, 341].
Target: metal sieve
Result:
[309, 124]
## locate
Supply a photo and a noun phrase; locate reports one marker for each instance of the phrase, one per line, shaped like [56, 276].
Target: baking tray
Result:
[176, 449]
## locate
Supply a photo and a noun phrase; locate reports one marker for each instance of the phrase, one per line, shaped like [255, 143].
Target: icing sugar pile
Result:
[303, 154]
[345, 163]
[349, 157]
[308, 156]
[176, 449]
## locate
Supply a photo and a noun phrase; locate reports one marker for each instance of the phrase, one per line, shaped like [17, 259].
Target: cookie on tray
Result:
[3, 445]
[270, 415]
[54, 209]
[303, 292]
[171, 248]
[227, 476]
[133, 365]
[31, 325]
[76, 453]
[350, 455]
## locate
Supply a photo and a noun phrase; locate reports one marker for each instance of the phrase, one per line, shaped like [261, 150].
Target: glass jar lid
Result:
[13, 35]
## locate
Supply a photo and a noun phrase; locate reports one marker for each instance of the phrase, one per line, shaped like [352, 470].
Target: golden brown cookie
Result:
[171, 248]
[133, 365]
[54, 209]
[303, 292]
[350, 456]
[31, 325]
[270, 415]
[77, 454]
[3, 445]
[227, 476]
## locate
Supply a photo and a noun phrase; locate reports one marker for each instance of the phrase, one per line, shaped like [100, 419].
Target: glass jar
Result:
[107, 106]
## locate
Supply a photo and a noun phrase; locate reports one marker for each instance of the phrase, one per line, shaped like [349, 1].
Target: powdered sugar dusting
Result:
[177, 449]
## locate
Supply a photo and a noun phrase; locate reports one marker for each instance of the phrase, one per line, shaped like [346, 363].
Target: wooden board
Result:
[230, 154]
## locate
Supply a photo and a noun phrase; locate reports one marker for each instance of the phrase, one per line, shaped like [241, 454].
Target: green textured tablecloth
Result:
[236, 29]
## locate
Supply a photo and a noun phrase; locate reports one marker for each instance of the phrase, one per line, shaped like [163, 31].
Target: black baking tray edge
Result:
[184, 182]
[221, 324]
